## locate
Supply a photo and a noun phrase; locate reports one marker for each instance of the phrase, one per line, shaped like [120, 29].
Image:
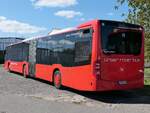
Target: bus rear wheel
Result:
[57, 79]
[24, 71]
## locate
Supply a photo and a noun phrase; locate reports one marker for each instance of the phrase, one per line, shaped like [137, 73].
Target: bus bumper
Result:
[103, 85]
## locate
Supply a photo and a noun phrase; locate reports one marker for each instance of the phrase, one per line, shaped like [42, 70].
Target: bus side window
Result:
[83, 48]
[86, 33]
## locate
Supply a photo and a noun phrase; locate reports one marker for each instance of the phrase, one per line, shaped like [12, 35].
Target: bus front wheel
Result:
[57, 79]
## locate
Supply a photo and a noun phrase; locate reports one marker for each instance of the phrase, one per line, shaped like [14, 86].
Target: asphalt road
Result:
[21, 95]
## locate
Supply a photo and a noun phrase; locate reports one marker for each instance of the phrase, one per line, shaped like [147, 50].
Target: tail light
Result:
[97, 67]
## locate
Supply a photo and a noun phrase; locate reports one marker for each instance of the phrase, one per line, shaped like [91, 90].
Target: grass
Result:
[147, 71]
[147, 81]
[147, 76]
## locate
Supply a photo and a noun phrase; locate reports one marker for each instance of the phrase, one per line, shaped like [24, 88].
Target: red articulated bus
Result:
[99, 55]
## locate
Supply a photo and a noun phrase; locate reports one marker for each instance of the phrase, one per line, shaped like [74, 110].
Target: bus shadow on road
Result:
[140, 96]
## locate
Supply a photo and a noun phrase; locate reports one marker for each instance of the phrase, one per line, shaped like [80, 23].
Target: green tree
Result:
[139, 13]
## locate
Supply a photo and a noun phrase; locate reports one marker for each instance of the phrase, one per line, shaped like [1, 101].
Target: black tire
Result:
[57, 79]
[24, 71]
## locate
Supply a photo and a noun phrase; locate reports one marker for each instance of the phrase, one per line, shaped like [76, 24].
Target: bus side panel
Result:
[80, 78]
[16, 66]
[43, 72]
[6, 64]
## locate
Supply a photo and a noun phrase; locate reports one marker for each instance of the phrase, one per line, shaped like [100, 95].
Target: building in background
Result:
[4, 42]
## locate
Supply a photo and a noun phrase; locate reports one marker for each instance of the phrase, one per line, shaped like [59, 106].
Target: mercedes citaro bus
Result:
[98, 55]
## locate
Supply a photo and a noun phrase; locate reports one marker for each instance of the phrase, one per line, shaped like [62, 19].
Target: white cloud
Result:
[2, 18]
[68, 13]
[13, 26]
[110, 14]
[53, 3]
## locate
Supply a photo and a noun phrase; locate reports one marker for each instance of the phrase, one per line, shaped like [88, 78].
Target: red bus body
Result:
[105, 72]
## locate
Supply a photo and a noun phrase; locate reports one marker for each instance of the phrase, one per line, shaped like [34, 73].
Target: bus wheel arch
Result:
[57, 78]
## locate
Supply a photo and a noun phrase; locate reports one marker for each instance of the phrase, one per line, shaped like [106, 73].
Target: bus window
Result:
[83, 48]
[117, 40]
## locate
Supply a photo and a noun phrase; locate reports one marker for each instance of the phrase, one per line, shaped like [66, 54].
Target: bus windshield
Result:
[121, 38]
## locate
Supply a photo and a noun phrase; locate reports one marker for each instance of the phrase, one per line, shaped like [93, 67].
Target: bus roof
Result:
[52, 33]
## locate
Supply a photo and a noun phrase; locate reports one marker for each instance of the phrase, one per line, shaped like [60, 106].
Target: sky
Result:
[29, 18]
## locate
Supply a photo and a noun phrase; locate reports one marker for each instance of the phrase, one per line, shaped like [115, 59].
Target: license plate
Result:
[122, 82]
